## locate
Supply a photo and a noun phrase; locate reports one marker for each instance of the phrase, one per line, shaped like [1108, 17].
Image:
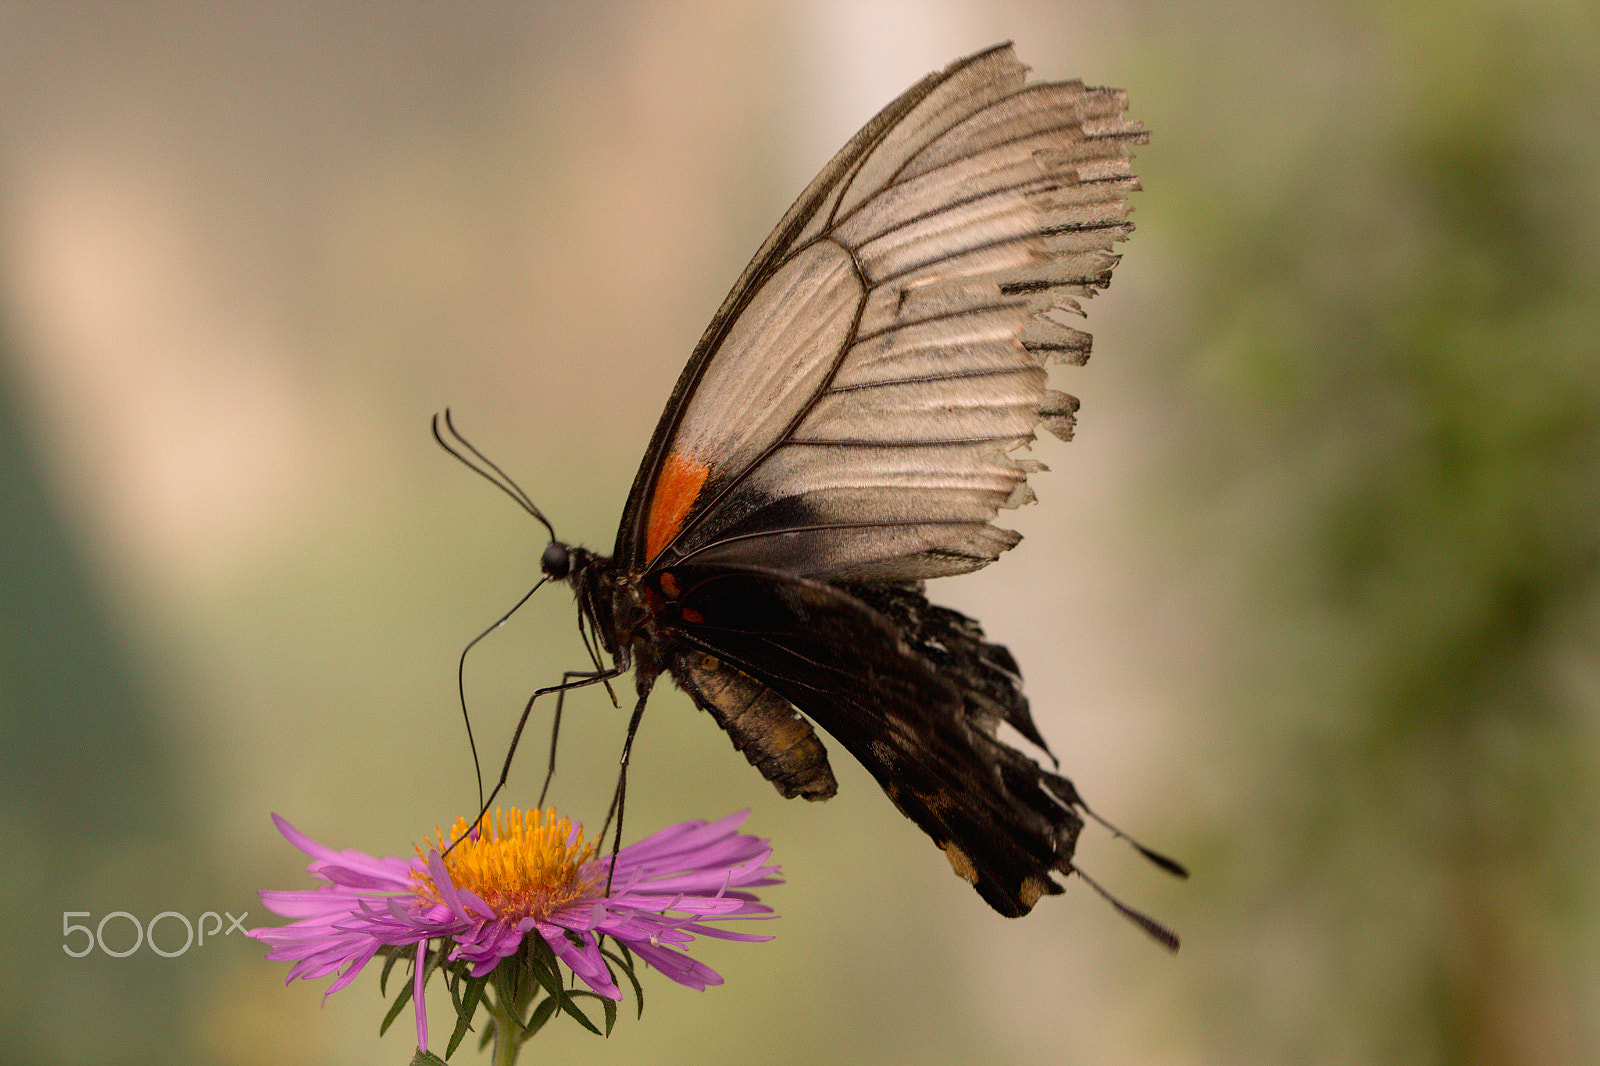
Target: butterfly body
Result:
[845, 430]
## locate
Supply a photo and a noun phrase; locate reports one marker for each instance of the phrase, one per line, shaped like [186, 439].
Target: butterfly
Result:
[845, 430]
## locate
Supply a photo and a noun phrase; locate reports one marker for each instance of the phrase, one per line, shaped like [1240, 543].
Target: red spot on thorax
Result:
[677, 487]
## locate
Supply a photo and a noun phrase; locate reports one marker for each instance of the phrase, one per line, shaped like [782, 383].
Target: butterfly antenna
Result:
[1154, 929]
[460, 447]
[1172, 866]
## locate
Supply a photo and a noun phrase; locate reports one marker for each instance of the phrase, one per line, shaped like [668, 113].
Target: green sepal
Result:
[542, 961]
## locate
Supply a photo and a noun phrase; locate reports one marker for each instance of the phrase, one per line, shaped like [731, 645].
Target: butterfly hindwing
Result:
[914, 693]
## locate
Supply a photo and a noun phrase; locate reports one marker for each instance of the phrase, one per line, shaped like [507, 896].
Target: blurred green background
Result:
[1312, 602]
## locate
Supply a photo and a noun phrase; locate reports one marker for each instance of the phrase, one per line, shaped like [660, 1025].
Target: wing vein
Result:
[1036, 180]
[924, 379]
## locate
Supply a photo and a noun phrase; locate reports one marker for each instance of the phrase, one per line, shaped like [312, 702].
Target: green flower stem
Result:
[509, 1032]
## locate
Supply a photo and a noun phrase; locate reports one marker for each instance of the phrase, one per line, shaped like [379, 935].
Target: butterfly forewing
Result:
[852, 412]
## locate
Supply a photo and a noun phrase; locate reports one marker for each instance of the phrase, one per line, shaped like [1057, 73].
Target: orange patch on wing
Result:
[677, 487]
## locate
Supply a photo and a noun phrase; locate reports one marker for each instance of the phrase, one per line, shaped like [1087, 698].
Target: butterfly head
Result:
[556, 562]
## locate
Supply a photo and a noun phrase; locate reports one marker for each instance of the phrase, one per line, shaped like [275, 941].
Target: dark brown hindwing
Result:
[987, 675]
[889, 684]
[771, 733]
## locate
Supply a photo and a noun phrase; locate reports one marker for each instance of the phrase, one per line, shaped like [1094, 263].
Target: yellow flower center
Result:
[522, 864]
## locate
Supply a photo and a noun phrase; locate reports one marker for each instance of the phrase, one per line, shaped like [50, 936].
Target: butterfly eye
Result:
[556, 561]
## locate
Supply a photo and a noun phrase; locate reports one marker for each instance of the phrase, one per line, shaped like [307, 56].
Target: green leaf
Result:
[626, 965]
[400, 1002]
[461, 987]
[543, 964]
[388, 964]
[541, 1014]
[466, 1007]
[571, 1005]
[507, 985]
[435, 960]
[571, 1008]
[426, 1058]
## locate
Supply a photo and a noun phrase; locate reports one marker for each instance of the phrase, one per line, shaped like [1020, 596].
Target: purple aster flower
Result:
[512, 876]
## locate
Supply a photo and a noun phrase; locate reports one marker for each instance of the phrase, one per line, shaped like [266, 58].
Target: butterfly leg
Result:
[570, 680]
[555, 729]
[619, 797]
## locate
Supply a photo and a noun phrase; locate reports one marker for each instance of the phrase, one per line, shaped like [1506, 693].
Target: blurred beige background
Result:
[1311, 602]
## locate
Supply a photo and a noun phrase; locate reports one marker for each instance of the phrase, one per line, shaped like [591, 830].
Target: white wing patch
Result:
[781, 350]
